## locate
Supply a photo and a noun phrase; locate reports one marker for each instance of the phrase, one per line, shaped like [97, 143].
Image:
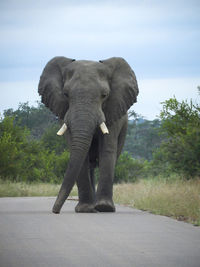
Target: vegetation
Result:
[30, 150]
[174, 197]
[129, 169]
[181, 148]
[26, 159]
[36, 119]
[143, 137]
[22, 189]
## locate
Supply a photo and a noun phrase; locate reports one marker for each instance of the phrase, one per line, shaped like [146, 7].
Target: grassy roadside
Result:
[178, 199]
[20, 189]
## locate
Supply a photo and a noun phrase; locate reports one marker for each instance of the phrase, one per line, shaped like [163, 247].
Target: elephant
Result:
[91, 99]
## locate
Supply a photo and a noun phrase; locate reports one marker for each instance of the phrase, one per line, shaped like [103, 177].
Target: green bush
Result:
[180, 152]
[52, 141]
[23, 159]
[128, 169]
[12, 142]
[60, 165]
[43, 165]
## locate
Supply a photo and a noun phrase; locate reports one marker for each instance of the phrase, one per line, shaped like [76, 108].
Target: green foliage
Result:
[142, 138]
[12, 140]
[52, 141]
[128, 169]
[36, 119]
[180, 152]
[178, 116]
[44, 165]
[23, 159]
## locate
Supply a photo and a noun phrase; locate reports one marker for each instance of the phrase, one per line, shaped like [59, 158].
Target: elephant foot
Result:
[105, 205]
[56, 209]
[85, 207]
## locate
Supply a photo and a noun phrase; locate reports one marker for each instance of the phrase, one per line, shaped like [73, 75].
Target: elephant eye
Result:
[66, 94]
[104, 95]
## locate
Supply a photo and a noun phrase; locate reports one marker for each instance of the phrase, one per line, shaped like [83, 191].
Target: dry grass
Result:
[177, 199]
[19, 189]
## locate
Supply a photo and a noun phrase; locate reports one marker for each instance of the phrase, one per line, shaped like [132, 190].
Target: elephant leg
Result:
[92, 179]
[85, 190]
[121, 138]
[107, 161]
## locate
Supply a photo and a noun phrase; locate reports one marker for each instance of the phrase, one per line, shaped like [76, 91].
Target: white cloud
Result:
[147, 32]
[153, 92]
[135, 24]
[13, 93]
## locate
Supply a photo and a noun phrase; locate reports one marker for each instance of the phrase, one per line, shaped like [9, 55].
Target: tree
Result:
[128, 169]
[142, 138]
[181, 149]
[25, 159]
[12, 141]
[52, 141]
[36, 119]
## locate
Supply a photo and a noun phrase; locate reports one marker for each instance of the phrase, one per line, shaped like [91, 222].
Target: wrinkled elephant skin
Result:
[91, 99]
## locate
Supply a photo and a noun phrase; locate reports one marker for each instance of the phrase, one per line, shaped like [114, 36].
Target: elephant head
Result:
[86, 95]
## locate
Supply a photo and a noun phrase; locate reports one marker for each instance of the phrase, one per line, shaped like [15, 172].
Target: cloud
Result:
[60, 22]
[145, 31]
[13, 93]
[154, 91]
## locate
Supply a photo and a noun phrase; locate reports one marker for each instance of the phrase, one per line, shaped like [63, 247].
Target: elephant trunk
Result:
[82, 132]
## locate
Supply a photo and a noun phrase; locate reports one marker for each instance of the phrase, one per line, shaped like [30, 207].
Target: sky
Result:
[159, 39]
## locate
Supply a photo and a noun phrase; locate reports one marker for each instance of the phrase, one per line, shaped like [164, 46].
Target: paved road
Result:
[31, 236]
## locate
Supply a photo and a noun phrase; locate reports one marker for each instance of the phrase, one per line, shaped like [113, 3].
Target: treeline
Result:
[23, 158]
[31, 151]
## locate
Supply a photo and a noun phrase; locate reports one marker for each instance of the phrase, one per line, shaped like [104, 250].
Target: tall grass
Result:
[20, 189]
[178, 199]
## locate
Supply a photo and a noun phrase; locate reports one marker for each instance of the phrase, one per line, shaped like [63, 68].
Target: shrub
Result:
[128, 169]
[12, 142]
[22, 159]
[180, 152]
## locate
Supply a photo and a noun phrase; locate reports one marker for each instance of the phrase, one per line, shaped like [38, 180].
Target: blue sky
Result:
[159, 39]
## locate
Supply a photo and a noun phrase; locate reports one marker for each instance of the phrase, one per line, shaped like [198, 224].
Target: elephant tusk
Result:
[62, 129]
[104, 128]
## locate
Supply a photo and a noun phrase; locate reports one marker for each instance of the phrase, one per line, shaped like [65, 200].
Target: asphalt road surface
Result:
[31, 236]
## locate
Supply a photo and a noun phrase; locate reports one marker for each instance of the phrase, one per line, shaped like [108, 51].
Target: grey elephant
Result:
[92, 99]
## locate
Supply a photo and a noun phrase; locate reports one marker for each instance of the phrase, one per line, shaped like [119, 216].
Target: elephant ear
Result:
[124, 89]
[51, 86]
